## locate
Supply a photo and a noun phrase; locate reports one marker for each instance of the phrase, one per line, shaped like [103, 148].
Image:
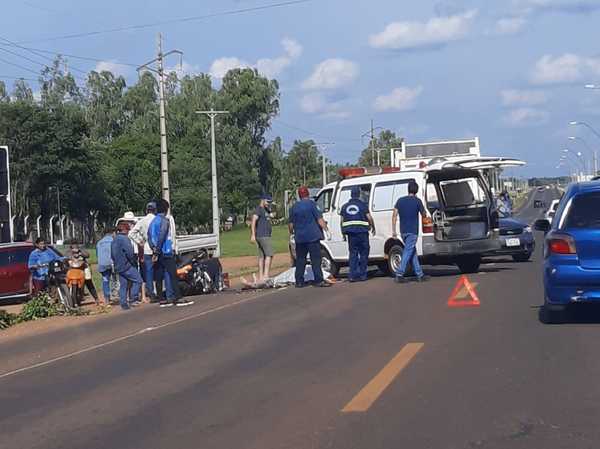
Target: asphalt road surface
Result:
[370, 365]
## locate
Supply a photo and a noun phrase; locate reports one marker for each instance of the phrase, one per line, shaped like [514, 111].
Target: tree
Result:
[3, 93]
[58, 87]
[22, 92]
[302, 165]
[105, 105]
[383, 142]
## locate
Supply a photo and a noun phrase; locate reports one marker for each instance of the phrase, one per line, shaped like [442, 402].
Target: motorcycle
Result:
[75, 280]
[200, 275]
[57, 284]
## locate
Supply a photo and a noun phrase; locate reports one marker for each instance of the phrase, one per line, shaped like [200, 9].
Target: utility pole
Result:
[323, 147]
[371, 133]
[62, 227]
[215, 193]
[164, 159]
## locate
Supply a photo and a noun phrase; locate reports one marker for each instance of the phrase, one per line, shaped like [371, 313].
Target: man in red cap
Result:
[307, 225]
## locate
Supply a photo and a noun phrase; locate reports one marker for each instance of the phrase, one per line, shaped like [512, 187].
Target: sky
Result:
[511, 72]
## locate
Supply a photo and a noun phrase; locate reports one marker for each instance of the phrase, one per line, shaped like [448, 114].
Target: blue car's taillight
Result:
[561, 244]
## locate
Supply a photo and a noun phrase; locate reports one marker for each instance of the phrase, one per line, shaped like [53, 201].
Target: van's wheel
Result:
[384, 267]
[328, 264]
[395, 261]
[468, 264]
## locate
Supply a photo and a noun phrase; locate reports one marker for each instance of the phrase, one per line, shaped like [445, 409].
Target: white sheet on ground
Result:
[289, 277]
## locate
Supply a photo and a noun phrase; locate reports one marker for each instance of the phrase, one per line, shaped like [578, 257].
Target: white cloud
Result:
[114, 67]
[513, 97]
[412, 34]
[221, 66]
[269, 67]
[524, 117]
[509, 25]
[568, 68]
[564, 6]
[319, 104]
[400, 99]
[332, 74]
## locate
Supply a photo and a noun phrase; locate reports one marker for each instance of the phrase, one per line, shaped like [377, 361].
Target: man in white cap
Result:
[139, 234]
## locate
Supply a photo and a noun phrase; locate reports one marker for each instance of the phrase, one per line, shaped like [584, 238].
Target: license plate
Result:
[513, 242]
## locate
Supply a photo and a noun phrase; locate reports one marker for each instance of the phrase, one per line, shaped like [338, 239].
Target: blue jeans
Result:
[107, 277]
[166, 265]
[132, 275]
[409, 255]
[314, 249]
[149, 274]
[358, 246]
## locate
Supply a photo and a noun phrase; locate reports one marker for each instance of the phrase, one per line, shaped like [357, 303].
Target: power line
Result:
[19, 66]
[23, 57]
[34, 52]
[83, 58]
[169, 22]
[311, 133]
[16, 78]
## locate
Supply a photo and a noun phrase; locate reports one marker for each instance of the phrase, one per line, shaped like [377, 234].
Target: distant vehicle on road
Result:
[516, 238]
[15, 280]
[464, 223]
[549, 215]
[572, 251]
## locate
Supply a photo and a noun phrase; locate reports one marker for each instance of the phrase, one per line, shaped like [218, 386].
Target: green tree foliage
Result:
[383, 142]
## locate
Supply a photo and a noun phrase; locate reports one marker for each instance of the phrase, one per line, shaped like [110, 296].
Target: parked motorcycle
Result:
[57, 284]
[75, 280]
[200, 275]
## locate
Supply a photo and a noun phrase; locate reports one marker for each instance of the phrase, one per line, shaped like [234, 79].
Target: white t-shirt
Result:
[139, 233]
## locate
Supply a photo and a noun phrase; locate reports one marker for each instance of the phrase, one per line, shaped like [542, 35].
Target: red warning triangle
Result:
[460, 301]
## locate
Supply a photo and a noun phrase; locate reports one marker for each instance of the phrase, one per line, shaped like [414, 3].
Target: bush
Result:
[40, 306]
[7, 319]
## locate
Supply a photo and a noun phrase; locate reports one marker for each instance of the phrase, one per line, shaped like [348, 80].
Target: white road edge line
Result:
[134, 334]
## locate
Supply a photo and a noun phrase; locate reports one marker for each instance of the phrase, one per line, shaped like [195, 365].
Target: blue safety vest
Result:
[354, 217]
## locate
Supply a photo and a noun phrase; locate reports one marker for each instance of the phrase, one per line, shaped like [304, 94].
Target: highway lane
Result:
[277, 370]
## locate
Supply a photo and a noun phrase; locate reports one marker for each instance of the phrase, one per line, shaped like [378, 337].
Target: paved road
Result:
[372, 365]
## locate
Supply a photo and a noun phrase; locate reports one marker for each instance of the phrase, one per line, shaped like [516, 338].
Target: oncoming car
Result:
[572, 251]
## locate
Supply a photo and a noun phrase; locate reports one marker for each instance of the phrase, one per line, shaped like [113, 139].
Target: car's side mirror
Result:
[542, 225]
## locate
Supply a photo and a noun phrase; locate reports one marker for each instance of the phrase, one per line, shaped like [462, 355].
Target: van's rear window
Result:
[584, 212]
[462, 192]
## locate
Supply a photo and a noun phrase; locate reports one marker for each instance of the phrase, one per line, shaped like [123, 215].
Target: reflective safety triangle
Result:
[457, 299]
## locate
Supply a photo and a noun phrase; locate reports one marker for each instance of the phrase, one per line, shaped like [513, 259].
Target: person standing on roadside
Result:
[105, 263]
[38, 262]
[161, 238]
[261, 233]
[139, 235]
[307, 225]
[408, 209]
[125, 262]
[356, 224]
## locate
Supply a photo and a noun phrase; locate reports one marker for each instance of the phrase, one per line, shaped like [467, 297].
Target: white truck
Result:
[185, 245]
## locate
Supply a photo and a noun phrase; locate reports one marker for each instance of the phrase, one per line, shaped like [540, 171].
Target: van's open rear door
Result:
[486, 163]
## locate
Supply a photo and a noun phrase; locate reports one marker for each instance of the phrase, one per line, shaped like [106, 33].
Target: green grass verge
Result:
[236, 243]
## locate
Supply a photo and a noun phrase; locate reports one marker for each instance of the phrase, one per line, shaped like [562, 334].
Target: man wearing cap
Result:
[139, 234]
[261, 235]
[307, 225]
[356, 223]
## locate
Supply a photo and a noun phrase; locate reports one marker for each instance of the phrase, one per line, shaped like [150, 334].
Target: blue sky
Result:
[511, 72]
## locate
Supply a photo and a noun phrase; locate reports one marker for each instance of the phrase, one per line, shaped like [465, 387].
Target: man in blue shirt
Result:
[125, 262]
[408, 209]
[307, 225]
[39, 259]
[356, 223]
[105, 263]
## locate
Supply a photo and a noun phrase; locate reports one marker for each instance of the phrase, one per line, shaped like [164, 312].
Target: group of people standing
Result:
[141, 254]
[308, 227]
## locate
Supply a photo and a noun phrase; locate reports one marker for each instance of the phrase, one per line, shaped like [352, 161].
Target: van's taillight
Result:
[427, 225]
[561, 244]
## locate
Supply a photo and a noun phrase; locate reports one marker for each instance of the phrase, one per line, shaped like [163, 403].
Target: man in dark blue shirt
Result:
[307, 225]
[356, 223]
[408, 208]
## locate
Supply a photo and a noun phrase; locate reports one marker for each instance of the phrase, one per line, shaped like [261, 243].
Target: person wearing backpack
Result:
[105, 263]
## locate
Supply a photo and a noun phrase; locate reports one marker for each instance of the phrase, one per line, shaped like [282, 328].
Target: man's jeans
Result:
[149, 274]
[108, 277]
[131, 275]
[358, 247]
[314, 249]
[169, 269]
[409, 255]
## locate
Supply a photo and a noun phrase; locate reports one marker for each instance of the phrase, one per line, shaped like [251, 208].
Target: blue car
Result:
[516, 239]
[572, 251]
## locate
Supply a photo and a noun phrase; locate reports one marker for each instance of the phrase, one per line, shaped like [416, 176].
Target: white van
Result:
[464, 218]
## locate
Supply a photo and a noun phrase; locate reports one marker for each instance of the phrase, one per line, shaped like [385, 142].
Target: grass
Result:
[236, 243]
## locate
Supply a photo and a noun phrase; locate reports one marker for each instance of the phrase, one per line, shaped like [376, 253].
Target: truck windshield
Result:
[463, 192]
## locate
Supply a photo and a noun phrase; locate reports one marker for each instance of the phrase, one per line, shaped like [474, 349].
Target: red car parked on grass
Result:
[15, 278]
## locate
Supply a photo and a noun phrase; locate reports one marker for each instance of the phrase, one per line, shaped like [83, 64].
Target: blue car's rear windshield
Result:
[584, 212]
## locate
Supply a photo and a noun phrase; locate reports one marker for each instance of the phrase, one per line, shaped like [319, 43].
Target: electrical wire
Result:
[311, 133]
[16, 78]
[19, 66]
[83, 58]
[169, 22]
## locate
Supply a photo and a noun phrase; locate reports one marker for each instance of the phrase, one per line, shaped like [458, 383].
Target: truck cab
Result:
[463, 225]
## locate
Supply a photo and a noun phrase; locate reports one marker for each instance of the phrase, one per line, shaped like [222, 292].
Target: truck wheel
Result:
[469, 264]
[395, 260]
[328, 264]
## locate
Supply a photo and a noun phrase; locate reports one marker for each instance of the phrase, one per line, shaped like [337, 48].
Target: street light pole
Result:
[587, 146]
[593, 130]
[323, 146]
[215, 193]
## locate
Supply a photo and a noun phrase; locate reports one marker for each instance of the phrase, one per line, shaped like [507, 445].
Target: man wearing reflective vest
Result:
[356, 223]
